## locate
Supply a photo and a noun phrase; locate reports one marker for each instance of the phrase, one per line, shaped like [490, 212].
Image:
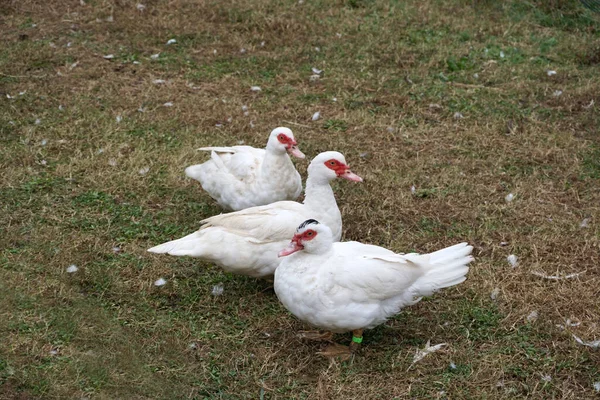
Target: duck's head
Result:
[282, 140]
[311, 237]
[330, 165]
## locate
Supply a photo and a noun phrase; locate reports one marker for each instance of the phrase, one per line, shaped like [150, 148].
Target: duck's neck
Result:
[275, 161]
[320, 200]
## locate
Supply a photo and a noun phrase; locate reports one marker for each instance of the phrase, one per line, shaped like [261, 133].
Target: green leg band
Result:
[357, 339]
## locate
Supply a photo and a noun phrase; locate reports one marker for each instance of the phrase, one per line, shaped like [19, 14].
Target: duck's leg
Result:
[324, 336]
[344, 352]
[357, 337]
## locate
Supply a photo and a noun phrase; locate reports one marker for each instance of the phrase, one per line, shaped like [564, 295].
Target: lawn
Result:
[447, 109]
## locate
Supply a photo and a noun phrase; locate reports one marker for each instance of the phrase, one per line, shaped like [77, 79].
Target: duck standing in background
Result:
[239, 177]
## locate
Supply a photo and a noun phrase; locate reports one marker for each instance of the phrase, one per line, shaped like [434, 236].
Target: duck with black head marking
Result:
[351, 286]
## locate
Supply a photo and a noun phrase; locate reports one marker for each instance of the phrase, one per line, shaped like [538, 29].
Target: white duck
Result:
[247, 242]
[239, 177]
[350, 286]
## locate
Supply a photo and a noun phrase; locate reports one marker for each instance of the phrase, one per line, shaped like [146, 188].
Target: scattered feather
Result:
[435, 106]
[244, 108]
[546, 378]
[144, 171]
[230, 119]
[597, 386]
[155, 56]
[501, 54]
[339, 35]
[556, 277]
[495, 293]
[316, 71]
[100, 151]
[262, 44]
[317, 49]
[243, 51]
[513, 260]
[422, 353]
[364, 154]
[73, 65]
[509, 197]
[109, 56]
[60, 107]
[159, 81]
[141, 7]
[316, 116]
[168, 104]
[171, 41]
[585, 223]
[251, 124]
[8, 96]
[136, 62]
[44, 142]
[218, 289]
[119, 118]
[390, 129]
[589, 105]
[533, 316]
[215, 51]
[452, 365]
[112, 162]
[37, 121]
[476, 75]
[72, 268]
[458, 115]
[22, 93]
[255, 88]
[570, 323]
[503, 244]
[557, 93]
[594, 345]
[110, 18]
[334, 99]
[53, 352]
[160, 282]
[142, 109]
[44, 162]
[241, 142]
[116, 249]
[551, 72]
[314, 78]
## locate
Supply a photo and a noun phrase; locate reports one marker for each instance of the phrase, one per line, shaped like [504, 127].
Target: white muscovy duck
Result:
[351, 286]
[239, 177]
[247, 242]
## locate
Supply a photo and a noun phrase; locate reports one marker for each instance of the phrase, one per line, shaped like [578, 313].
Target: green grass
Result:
[71, 192]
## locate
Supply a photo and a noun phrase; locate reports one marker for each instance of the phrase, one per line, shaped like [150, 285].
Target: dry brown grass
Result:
[106, 332]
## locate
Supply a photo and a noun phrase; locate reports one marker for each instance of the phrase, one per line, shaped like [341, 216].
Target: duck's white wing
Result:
[242, 162]
[370, 272]
[273, 222]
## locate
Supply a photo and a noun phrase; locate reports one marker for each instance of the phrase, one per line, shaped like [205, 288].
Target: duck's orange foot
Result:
[319, 336]
[338, 351]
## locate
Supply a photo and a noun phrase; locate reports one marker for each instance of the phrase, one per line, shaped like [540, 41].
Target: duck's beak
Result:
[295, 151]
[293, 247]
[351, 176]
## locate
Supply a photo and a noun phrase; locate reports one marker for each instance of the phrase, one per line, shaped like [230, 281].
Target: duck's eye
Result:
[309, 234]
[331, 162]
[282, 137]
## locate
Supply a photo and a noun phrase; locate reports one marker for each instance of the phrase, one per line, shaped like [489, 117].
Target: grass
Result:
[402, 74]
